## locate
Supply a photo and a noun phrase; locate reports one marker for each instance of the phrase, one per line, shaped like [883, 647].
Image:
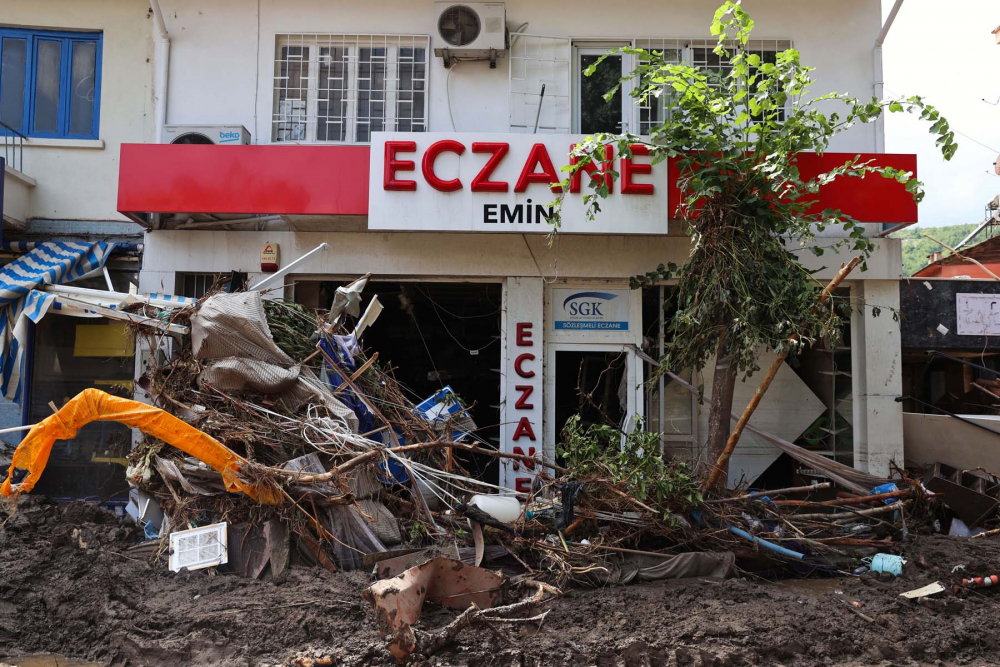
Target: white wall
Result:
[430, 255]
[78, 180]
[218, 48]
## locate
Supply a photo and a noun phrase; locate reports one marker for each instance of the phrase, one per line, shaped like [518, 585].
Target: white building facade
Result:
[369, 128]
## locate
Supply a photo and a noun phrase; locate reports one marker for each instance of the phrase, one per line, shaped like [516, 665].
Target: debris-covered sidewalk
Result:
[292, 503]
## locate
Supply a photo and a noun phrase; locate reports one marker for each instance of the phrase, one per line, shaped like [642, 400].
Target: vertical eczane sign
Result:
[521, 430]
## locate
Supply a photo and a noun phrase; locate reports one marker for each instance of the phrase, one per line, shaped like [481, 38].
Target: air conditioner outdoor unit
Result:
[470, 30]
[206, 134]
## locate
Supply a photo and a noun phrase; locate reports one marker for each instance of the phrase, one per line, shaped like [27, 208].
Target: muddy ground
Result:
[67, 587]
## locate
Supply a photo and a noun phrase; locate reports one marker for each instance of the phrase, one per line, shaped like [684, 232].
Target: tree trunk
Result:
[720, 408]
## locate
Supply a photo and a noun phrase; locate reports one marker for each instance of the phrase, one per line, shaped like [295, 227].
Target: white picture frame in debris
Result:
[199, 547]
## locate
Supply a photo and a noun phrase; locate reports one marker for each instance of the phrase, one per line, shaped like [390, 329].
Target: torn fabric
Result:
[48, 263]
[230, 332]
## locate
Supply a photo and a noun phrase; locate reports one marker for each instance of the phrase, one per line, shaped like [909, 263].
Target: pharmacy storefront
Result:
[529, 328]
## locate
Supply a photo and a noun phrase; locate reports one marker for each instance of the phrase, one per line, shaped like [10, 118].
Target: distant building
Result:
[961, 265]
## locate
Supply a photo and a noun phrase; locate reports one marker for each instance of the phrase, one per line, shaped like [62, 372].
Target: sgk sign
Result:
[504, 183]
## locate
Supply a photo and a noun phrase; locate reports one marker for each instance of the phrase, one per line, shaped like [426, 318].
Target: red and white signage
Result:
[331, 180]
[505, 183]
[521, 429]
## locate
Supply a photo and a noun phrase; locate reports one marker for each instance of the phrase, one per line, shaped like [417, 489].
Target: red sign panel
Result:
[251, 180]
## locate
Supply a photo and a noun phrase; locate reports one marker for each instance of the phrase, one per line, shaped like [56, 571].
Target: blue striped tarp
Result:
[48, 263]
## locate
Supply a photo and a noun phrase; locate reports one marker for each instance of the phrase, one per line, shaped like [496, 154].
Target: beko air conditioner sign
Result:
[590, 310]
[507, 183]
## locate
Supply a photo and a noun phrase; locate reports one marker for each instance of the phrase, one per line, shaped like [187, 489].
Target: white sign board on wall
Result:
[978, 314]
[590, 309]
[503, 183]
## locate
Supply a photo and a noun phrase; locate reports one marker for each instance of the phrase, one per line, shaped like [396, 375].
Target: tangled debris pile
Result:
[278, 440]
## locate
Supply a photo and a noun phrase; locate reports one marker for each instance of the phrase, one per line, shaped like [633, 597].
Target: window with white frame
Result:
[592, 113]
[341, 88]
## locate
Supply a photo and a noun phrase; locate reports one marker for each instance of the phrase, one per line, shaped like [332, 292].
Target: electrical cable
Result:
[430, 357]
[972, 139]
[457, 342]
[456, 316]
[538, 267]
[447, 94]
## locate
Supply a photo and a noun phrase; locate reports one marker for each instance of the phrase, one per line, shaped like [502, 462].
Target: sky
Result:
[943, 50]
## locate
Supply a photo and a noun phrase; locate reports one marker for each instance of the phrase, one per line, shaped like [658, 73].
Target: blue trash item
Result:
[335, 372]
[150, 531]
[390, 471]
[886, 488]
[444, 405]
[888, 563]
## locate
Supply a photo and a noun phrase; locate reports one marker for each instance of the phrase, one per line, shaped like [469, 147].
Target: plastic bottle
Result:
[504, 509]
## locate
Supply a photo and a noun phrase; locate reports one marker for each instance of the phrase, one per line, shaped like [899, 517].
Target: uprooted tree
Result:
[734, 133]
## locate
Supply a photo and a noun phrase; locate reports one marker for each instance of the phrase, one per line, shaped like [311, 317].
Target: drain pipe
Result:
[878, 87]
[161, 69]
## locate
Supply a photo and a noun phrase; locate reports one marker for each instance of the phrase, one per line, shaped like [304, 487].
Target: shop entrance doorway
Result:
[432, 335]
[596, 381]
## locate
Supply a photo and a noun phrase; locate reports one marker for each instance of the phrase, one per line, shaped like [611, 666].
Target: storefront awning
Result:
[324, 180]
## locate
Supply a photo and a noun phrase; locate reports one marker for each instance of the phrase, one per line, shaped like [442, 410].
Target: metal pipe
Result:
[161, 69]
[935, 353]
[541, 98]
[157, 302]
[880, 39]
[285, 271]
[237, 221]
[660, 384]
[878, 78]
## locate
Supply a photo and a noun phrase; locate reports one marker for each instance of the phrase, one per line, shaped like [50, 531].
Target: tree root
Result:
[430, 643]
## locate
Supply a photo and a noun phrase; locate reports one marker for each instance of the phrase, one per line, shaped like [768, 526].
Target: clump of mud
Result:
[69, 586]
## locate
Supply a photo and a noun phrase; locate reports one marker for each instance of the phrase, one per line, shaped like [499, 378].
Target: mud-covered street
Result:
[67, 587]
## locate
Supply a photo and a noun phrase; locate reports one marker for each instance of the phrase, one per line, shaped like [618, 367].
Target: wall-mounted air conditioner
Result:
[206, 134]
[474, 30]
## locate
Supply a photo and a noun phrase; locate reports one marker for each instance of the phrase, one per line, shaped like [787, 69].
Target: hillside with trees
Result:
[916, 247]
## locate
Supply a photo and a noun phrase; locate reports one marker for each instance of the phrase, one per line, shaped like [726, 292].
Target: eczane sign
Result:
[504, 183]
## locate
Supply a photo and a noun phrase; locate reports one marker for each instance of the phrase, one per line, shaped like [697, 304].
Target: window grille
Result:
[652, 111]
[196, 285]
[703, 55]
[534, 61]
[341, 88]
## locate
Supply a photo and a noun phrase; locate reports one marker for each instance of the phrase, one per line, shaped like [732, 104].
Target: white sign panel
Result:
[978, 314]
[590, 309]
[503, 183]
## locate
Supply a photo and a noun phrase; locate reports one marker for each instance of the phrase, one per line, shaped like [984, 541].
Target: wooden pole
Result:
[844, 501]
[809, 488]
[723, 463]
[848, 513]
